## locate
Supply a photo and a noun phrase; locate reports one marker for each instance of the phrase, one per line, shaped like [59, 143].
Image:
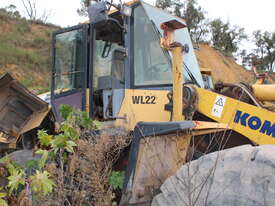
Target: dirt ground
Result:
[223, 68]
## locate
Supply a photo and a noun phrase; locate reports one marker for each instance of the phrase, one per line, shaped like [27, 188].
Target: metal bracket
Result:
[168, 39]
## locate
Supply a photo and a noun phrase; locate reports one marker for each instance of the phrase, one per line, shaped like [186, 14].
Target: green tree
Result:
[226, 38]
[195, 20]
[164, 4]
[191, 12]
[245, 58]
[31, 10]
[10, 11]
[83, 10]
[265, 50]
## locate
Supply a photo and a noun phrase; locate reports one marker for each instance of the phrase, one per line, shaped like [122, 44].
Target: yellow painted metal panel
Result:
[143, 105]
[177, 84]
[255, 123]
[264, 92]
[87, 103]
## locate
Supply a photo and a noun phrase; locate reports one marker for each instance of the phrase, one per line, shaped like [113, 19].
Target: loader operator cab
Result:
[94, 63]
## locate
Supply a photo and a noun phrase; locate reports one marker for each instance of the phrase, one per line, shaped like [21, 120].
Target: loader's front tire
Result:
[240, 176]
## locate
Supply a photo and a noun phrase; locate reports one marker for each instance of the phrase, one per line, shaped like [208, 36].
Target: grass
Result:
[12, 55]
[34, 61]
[23, 26]
[25, 50]
[40, 42]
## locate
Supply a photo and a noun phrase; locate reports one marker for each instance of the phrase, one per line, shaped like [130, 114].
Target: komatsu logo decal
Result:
[255, 123]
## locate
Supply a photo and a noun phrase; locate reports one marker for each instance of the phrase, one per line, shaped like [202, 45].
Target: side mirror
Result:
[98, 14]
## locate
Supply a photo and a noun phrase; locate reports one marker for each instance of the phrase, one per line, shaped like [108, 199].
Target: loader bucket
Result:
[20, 110]
[158, 150]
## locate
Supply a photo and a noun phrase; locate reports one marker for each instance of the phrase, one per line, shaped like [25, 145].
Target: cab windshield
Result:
[152, 64]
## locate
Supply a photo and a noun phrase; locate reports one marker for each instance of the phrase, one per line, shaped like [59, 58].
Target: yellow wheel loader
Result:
[194, 143]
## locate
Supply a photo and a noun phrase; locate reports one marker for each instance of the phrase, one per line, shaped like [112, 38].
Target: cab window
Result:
[152, 64]
[68, 64]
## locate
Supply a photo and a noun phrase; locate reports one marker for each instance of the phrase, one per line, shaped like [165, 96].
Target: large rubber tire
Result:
[240, 176]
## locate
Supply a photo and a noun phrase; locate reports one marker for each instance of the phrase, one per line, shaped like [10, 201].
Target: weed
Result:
[116, 179]
[29, 51]
[27, 82]
[40, 42]
[23, 26]
[85, 177]
[48, 34]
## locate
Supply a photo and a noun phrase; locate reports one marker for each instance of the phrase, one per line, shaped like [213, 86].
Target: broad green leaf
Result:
[18, 178]
[44, 158]
[65, 111]
[32, 164]
[64, 127]
[4, 159]
[52, 155]
[3, 202]
[69, 146]
[44, 138]
[59, 141]
[85, 120]
[69, 131]
[11, 165]
[2, 195]
[41, 183]
[8, 164]
[97, 124]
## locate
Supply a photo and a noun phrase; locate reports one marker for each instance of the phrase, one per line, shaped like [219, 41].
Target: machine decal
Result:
[144, 99]
[255, 123]
[218, 106]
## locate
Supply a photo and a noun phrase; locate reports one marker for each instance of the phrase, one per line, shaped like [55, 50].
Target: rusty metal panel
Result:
[159, 158]
[20, 110]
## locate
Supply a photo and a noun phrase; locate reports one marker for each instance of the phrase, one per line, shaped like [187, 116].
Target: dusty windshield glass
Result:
[69, 67]
[159, 16]
[152, 64]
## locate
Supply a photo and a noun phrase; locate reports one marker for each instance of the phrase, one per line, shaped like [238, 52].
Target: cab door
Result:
[69, 73]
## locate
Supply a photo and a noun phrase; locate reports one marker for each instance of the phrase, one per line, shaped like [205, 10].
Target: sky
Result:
[250, 14]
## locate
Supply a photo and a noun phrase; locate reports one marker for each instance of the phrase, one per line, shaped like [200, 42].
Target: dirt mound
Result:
[25, 51]
[223, 68]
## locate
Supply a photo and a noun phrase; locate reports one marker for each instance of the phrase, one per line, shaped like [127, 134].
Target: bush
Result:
[12, 55]
[85, 176]
[23, 26]
[3, 15]
[26, 50]
[40, 42]
[75, 167]
[9, 12]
